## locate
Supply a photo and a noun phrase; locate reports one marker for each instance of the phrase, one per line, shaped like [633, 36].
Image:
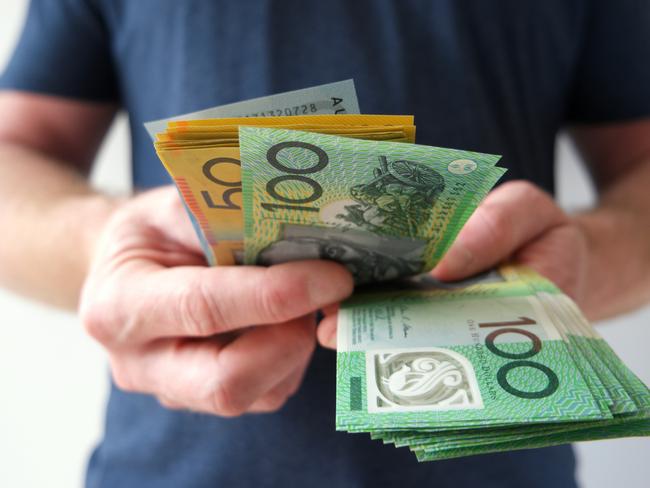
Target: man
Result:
[499, 77]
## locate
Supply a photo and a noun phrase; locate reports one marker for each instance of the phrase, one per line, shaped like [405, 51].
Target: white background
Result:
[53, 378]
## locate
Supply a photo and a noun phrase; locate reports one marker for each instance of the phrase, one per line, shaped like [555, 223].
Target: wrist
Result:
[94, 211]
[618, 261]
[83, 216]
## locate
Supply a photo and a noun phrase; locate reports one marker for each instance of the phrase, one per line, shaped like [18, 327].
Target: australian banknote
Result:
[383, 209]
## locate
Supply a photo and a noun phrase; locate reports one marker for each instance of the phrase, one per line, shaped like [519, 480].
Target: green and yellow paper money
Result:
[383, 209]
[330, 99]
[203, 157]
[503, 362]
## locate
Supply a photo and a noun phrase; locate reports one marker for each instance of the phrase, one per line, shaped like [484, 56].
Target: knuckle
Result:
[537, 197]
[167, 403]
[532, 197]
[291, 391]
[276, 298]
[577, 237]
[199, 313]
[223, 399]
[275, 401]
[529, 194]
[298, 338]
[93, 321]
[305, 338]
[292, 387]
[122, 376]
[521, 186]
[498, 225]
[299, 351]
[96, 317]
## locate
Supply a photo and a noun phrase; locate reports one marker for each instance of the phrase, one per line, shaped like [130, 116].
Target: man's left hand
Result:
[517, 221]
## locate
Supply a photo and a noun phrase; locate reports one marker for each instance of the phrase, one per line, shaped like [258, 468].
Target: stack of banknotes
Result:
[503, 362]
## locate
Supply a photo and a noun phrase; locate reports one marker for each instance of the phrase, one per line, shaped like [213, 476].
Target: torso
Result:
[486, 76]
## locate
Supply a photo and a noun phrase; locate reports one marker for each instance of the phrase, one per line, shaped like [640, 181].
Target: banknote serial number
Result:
[307, 108]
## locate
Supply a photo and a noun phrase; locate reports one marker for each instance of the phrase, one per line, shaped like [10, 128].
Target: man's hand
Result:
[223, 340]
[515, 221]
[519, 221]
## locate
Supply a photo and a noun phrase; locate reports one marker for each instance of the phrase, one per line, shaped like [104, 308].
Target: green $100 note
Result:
[442, 360]
[383, 209]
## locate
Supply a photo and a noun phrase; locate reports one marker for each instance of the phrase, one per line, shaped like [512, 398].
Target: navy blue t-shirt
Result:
[497, 77]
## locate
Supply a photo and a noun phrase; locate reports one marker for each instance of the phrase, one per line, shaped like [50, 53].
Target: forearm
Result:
[618, 236]
[50, 219]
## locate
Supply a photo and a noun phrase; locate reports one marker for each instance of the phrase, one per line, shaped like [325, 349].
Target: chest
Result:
[489, 76]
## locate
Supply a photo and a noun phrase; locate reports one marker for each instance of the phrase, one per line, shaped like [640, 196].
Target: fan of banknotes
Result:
[504, 361]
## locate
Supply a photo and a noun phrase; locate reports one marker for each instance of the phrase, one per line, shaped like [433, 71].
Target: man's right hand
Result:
[222, 340]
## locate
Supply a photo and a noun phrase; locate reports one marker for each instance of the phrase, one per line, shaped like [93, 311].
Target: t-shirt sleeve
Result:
[612, 78]
[64, 50]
